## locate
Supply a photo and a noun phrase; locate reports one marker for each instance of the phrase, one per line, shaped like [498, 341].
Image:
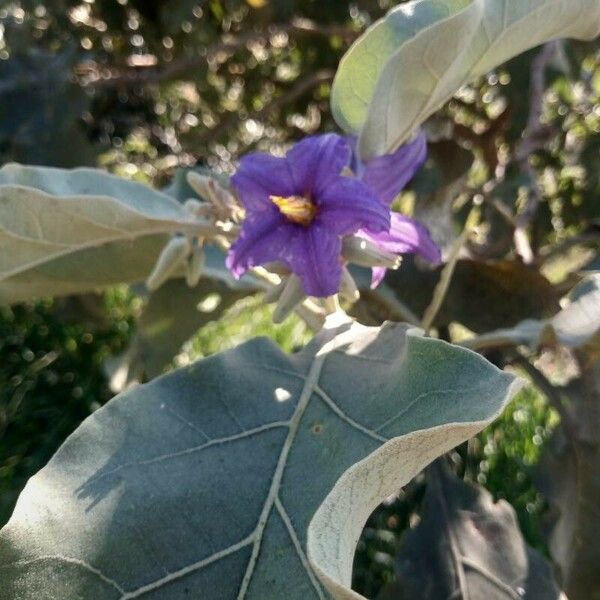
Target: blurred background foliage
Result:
[144, 87]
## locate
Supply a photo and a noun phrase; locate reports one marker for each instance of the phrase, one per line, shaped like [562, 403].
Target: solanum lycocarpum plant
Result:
[250, 474]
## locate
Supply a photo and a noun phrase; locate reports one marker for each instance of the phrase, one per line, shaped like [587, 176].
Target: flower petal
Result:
[377, 276]
[262, 240]
[387, 175]
[347, 205]
[259, 176]
[316, 160]
[316, 259]
[405, 236]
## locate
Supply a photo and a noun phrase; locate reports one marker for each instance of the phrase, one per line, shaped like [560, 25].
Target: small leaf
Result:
[467, 546]
[172, 316]
[205, 482]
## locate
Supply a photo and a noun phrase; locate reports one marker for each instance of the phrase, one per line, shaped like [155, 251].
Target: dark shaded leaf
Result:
[467, 546]
[482, 296]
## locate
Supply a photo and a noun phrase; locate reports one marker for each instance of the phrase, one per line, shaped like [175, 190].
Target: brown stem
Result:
[534, 138]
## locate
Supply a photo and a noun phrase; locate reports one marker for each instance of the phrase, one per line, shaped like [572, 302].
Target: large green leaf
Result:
[67, 231]
[230, 478]
[409, 64]
[468, 546]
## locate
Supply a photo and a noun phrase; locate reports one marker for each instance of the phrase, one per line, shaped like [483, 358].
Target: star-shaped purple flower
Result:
[298, 209]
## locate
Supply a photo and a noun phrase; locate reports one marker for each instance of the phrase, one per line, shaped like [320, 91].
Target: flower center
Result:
[296, 208]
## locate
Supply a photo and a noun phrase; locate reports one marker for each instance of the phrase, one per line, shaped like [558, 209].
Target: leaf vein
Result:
[342, 415]
[287, 521]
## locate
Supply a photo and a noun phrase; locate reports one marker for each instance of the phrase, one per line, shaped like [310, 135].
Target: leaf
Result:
[360, 68]
[437, 186]
[171, 317]
[482, 295]
[576, 326]
[570, 482]
[68, 231]
[467, 546]
[568, 476]
[411, 62]
[207, 480]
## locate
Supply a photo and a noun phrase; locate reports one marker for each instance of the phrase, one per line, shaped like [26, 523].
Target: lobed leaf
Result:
[246, 475]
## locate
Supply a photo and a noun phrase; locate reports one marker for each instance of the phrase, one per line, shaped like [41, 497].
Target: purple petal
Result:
[316, 258]
[347, 205]
[259, 176]
[313, 253]
[405, 236]
[262, 240]
[388, 175]
[316, 160]
[377, 276]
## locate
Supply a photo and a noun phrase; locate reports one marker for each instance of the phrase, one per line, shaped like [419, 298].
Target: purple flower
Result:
[386, 176]
[405, 236]
[299, 207]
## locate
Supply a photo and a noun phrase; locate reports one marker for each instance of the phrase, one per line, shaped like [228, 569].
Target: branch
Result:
[534, 138]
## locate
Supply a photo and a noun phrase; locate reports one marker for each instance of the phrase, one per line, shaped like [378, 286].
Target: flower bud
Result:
[291, 296]
[273, 294]
[195, 266]
[211, 190]
[197, 208]
[200, 184]
[348, 287]
[366, 254]
[171, 257]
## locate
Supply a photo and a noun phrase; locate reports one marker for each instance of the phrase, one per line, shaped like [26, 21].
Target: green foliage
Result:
[503, 456]
[431, 49]
[227, 76]
[230, 438]
[51, 354]
[444, 555]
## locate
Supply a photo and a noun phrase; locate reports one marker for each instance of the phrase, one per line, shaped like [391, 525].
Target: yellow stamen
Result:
[296, 208]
